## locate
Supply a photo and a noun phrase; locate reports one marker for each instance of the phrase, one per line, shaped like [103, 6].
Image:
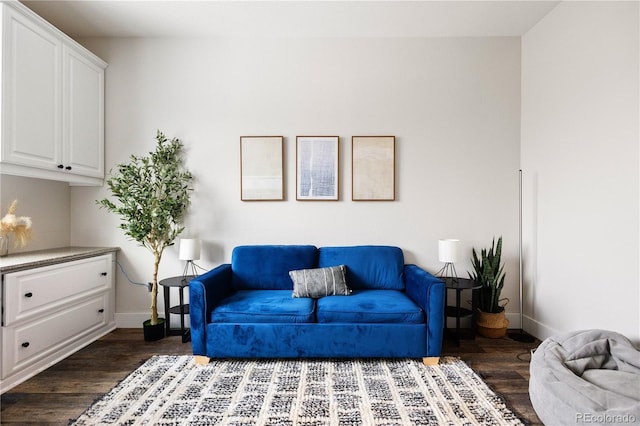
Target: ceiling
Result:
[191, 18]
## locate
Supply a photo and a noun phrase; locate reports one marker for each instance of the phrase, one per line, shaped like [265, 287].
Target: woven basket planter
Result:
[492, 325]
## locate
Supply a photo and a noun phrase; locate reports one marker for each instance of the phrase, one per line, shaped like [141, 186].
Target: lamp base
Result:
[448, 270]
[189, 269]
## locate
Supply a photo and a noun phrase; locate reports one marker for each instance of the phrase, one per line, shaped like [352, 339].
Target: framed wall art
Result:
[373, 168]
[262, 168]
[317, 161]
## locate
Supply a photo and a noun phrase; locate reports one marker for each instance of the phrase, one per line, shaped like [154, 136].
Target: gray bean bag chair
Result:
[586, 377]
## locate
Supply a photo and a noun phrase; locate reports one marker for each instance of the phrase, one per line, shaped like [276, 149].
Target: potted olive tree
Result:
[487, 270]
[151, 196]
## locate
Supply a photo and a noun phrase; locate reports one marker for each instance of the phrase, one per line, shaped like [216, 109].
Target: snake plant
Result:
[490, 274]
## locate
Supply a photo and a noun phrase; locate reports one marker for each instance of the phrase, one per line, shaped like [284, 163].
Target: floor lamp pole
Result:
[520, 336]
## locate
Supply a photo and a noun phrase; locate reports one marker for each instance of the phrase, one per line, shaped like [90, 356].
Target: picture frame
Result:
[262, 168]
[317, 168]
[373, 168]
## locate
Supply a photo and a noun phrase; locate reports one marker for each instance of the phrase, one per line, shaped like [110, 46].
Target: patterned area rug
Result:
[171, 390]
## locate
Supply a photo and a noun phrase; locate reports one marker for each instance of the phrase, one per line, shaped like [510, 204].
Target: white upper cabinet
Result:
[31, 74]
[82, 114]
[52, 102]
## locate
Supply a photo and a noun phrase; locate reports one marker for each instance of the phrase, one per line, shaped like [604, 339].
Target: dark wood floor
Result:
[504, 365]
[65, 390]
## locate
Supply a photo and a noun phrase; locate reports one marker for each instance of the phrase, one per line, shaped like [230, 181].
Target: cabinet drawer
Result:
[36, 291]
[29, 342]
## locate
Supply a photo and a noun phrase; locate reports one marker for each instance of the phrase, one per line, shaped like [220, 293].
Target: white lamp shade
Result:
[189, 249]
[448, 250]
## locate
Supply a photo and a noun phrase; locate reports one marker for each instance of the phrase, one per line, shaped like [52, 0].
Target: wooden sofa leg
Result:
[201, 359]
[432, 360]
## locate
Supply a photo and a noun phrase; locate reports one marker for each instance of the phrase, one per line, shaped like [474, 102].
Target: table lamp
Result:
[189, 250]
[448, 253]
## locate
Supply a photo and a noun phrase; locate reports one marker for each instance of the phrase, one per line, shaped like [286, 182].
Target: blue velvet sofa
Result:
[245, 309]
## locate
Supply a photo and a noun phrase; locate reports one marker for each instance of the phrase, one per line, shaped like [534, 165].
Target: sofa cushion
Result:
[369, 306]
[320, 282]
[368, 267]
[272, 306]
[266, 267]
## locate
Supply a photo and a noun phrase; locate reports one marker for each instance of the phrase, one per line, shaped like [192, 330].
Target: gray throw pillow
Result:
[320, 282]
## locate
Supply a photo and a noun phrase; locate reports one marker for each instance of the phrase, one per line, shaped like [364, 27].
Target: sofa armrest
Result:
[205, 292]
[428, 292]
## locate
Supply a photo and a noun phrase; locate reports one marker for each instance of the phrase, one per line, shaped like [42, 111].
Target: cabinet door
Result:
[32, 93]
[83, 114]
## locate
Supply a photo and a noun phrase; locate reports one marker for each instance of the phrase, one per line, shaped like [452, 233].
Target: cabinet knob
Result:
[68, 167]
[101, 310]
[25, 345]
[28, 294]
[60, 166]
[104, 274]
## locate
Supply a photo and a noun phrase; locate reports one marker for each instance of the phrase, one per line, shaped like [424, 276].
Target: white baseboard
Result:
[514, 321]
[135, 320]
[538, 329]
[530, 326]
[131, 320]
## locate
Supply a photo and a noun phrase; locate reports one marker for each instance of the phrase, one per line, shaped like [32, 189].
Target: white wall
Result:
[580, 156]
[453, 105]
[47, 203]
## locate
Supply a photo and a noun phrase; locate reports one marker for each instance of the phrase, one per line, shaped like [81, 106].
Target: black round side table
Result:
[458, 312]
[181, 309]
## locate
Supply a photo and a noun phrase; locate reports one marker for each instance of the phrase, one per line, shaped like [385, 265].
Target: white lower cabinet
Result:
[53, 311]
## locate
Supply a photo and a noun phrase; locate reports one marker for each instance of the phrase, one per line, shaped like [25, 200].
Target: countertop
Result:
[34, 259]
